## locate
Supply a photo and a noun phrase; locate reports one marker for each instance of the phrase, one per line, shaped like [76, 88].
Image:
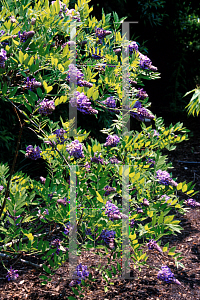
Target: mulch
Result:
[144, 284]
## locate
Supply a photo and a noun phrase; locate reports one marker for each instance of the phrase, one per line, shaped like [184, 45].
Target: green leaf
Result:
[184, 189]
[99, 198]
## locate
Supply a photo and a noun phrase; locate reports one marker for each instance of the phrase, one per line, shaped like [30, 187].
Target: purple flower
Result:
[118, 50]
[25, 35]
[81, 272]
[75, 149]
[101, 33]
[166, 275]
[164, 178]
[108, 236]
[41, 215]
[32, 84]
[46, 107]
[146, 63]
[3, 58]
[141, 112]
[108, 190]
[62, 201]
[153, 245]
[112, 140]
[82, 103]
[142, 94]
[155, 133]
[56, 243]
[112, 210]
[33, 153]
[87, 166]
[192, 203]
[42, 179]
[68, 228]
[74, 73]
[73, 14]
[1, 188]
[113, 160]
[132, 223]
[110, 103]
[145, 202]
[97, 159]
[12, 19]
[139, 210]
[60, 135]
[12, 274]
[151, 162]
[133, 46]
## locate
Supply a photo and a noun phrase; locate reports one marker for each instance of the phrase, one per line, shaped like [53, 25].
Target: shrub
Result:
[117, 179]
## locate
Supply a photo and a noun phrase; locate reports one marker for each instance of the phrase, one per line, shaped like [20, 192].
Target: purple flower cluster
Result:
[75, 149]
[75, 15]
[192, 203]
[142, 94]
[166, 275]
[33, 153]
[32, 84]
[112, 140]
[133, 46]
[145, 202]
[87, 166]
[62, 201]
[113, 212]
[76, 73]
[114, 160]
[82, 103]
[56, 243]
[153, 245]
[1, 188]
[25, 35]
[101, 33]
[46, 107]
[110, 103]
[67, 228]
[146, 63]
[81, 272]
[12, 274]
[97, 159]
[164, 178]
[132, 223]
[108, 190]
[3, 58]
[108, 236]
[60, 135]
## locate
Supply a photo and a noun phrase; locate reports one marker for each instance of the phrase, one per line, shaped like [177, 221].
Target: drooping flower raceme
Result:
[25, 35]
[164, 178]
[192, 203]
[12, 274]
[80, 273]
[98, 159]
[142, 94]
[101, 33]
[166, 275]
[3, 58]
[112, 140]
[33, 153]
[133, 46]
[153, 245]
[82, 103]
[56, 243]
[75, 149]
[32, 84]
[108, 236]
[46, 107]
[60, 135]
[146, 63]
[110, 103]
[112, 211]
[114, 160]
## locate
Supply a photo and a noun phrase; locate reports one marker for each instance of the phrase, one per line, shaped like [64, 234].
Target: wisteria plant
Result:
[36, 78]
